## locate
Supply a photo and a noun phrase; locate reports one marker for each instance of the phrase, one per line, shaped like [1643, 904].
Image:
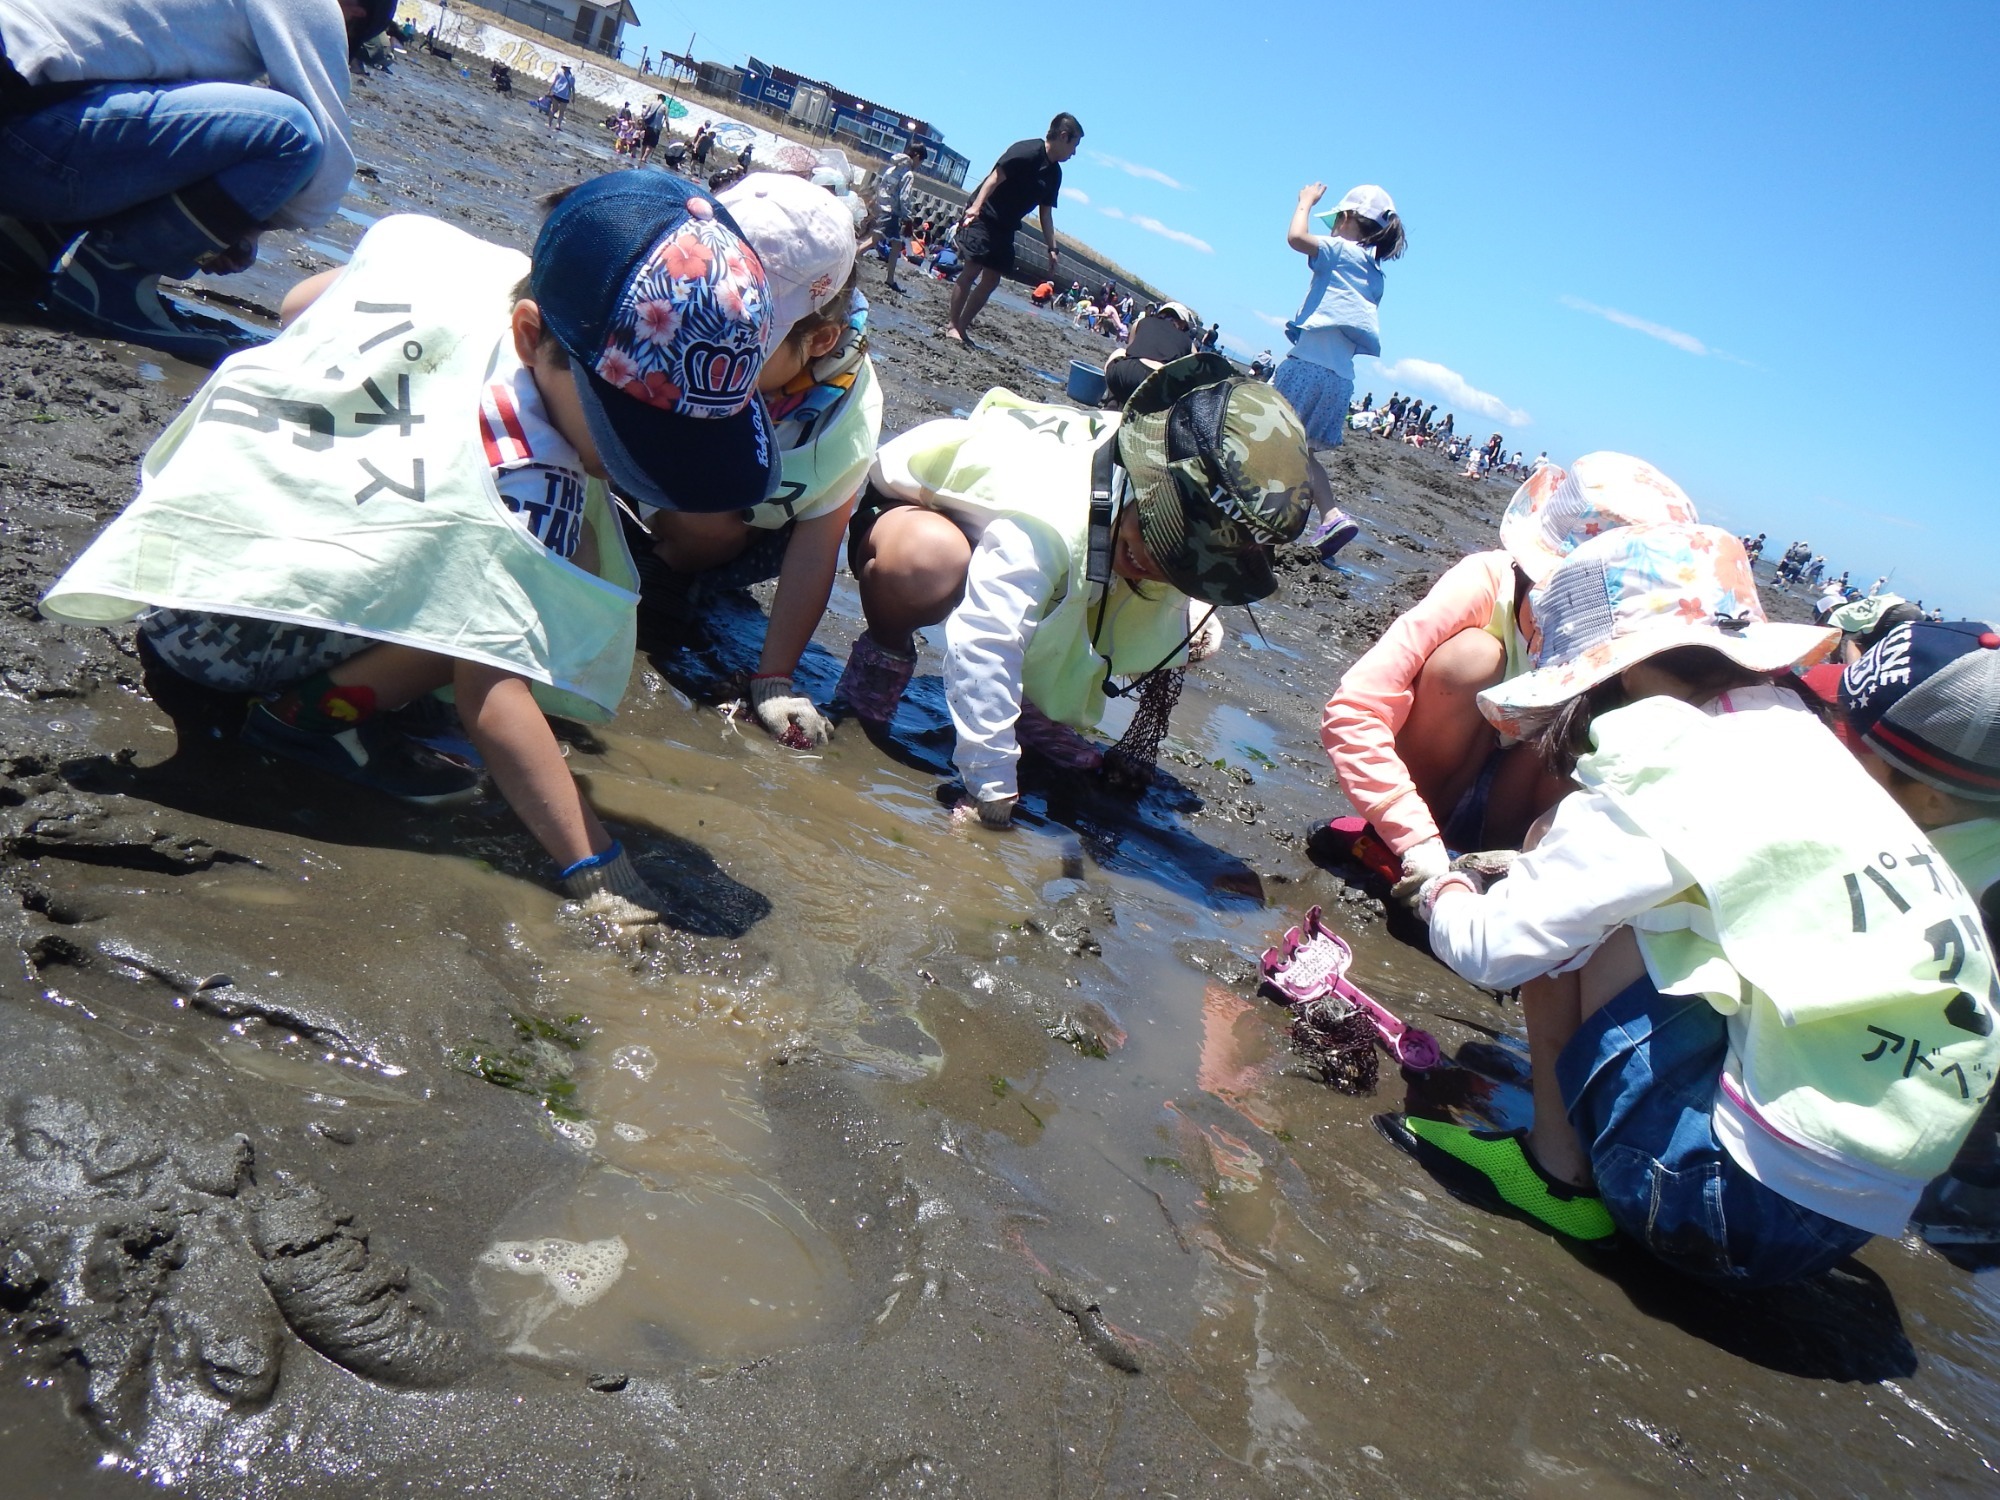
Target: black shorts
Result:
[985, 243]
[650, 138]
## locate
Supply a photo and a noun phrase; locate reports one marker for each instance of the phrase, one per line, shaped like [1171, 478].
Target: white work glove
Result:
[788, 718]
[1208, 632]
[1422, 863]
[992, 812]
[1489, 864]
[1425, 900]
[608, 885]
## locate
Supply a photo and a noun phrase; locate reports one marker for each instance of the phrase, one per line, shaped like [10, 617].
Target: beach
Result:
[918, 1162]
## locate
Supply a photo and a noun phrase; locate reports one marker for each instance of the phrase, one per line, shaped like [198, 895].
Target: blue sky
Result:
[1753, 244]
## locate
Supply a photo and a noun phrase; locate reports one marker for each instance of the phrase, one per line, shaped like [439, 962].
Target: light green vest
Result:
[1848, 954]
[1972, 849]
[336, 477]
[1031, 462]
[826, 470]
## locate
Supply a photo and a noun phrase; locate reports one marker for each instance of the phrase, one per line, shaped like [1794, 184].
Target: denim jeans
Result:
[1639, 1081]
[162, 175]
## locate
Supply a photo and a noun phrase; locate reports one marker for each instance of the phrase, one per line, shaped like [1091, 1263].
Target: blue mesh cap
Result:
[662, 307]
[1926, 698]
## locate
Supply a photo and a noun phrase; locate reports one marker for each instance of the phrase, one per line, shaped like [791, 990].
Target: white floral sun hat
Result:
[1555, 510]
[1637, 591]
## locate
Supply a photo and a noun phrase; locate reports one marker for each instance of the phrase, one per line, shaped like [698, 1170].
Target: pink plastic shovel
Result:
[1311, 963]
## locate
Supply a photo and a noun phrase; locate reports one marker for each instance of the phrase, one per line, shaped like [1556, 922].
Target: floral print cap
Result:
[1556, 510]
[688, 333]
[1634, 592]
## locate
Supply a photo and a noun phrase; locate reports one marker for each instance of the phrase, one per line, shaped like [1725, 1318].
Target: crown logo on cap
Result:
[719, 377]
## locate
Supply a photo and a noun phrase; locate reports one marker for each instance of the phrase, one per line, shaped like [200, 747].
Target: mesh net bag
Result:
[1130, 762]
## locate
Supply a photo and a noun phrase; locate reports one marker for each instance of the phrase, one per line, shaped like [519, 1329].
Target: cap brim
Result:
[1762, 647]
[673, 462]
[1250, 576]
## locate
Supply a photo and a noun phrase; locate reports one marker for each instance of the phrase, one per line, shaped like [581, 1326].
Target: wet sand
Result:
[920, 1162]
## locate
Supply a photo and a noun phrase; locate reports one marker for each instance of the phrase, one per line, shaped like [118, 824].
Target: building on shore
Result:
[853, 122]
[594, 25]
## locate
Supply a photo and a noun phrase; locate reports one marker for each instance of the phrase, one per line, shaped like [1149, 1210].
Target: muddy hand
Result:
[1422, 863]
[788, 718]
[609, 891]
[991, 812]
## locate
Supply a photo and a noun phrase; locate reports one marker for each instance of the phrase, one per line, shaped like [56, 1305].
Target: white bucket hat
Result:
[1557, 510]
[1634, 592]
[804, 237]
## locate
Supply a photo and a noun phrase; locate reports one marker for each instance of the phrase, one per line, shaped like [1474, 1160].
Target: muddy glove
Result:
[1208, 632]
[1489, 864]
[1424, 902]
[1421, 863]
[786, 717]
[608, 885]
[992, 812]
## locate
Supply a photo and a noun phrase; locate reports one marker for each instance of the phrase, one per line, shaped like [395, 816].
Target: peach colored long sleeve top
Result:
[1369, 709]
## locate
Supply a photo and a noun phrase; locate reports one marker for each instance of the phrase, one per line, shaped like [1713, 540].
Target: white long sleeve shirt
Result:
[300, 46]
[1592, 873]
[1595, 872]
[1008, 589]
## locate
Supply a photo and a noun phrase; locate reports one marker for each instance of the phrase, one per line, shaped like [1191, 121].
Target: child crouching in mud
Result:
[406, 491]
[1760, 1010]
[818, 385]
[1427, 773]
[1062, 548]
[1921, 708]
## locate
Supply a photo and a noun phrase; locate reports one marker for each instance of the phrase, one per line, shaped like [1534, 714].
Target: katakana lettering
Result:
[406, 326]
[1890, 1043]
[267, 412]
[378, 482]
[388, 414]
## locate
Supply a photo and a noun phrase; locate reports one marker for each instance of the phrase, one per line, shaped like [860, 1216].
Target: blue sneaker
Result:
[1336, 529]
[115, 299]
[370, 754]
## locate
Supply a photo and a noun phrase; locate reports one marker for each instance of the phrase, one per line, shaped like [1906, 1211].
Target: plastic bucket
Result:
[1086, 382]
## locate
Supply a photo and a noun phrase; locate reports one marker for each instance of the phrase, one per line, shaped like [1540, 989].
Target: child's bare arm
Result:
[303, 295]
[1300, 236]
[805, 582]
[526, 763]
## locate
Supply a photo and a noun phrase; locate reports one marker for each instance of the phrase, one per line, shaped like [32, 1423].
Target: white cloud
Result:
[1178, 236]
[1164, 231]
[1076, 195]
[1458, 392]
[1686, 342]
[1264, 317]
[1134, 169]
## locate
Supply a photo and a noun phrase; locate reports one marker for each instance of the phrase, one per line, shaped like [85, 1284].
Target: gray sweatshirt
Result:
[299, 45]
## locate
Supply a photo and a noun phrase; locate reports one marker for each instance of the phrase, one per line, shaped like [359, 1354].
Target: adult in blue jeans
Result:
[137, 142]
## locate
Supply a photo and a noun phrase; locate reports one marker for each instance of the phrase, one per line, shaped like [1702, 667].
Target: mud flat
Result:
[919, 1163]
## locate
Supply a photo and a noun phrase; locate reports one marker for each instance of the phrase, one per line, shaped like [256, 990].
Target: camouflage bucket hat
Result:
[1222, 471]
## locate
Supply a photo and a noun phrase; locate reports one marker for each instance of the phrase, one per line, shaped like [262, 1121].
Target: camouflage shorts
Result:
[235, 654]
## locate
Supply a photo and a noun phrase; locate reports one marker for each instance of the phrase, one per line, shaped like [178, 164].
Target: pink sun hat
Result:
[1555, 509]
[1634, 592]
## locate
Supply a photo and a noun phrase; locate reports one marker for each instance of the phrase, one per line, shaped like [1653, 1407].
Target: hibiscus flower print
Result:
[687, 258]
[1693, 611]
[615, 367]
[657, 322]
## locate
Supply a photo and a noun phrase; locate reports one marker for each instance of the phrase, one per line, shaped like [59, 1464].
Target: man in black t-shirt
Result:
[1028, 175]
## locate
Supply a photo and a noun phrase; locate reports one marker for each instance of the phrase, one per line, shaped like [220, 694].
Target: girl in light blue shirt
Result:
[1338, 318]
